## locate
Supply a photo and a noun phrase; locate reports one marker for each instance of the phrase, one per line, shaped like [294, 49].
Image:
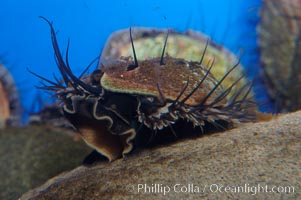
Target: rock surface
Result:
[265, 153]
[279, 41]
[31, 155]
[10, 109]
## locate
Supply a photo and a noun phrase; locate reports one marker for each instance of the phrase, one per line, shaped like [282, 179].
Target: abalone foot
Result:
[146, 138]
[94, 157]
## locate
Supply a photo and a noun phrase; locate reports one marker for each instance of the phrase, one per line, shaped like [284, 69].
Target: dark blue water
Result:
[25, 39]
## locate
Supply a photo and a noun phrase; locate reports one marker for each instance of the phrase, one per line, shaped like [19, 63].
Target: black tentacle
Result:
[198, 85]
[164, 47]
[180, 94]
[67, 55]
[225, 93]
[45, 79]
[65, 70]
[61, 63]
[217, 85]
[135, 65]
[88, 67]
[205, 49]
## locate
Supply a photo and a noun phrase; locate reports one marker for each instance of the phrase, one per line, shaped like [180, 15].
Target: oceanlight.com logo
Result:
[213, 188]
[253, 190]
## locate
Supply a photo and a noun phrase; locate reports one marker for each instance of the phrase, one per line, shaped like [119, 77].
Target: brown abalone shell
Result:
[189, 45]
[151, 79]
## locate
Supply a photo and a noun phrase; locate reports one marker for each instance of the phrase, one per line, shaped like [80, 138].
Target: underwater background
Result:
[25, 38]
[45, 157]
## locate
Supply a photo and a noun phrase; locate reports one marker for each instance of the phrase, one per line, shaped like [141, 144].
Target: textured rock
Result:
[279, 41]
[4, 108]
[31, 155]
[265, 153]
[10, 109]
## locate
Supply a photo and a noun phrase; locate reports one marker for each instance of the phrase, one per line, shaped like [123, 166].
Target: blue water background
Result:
[25, 38]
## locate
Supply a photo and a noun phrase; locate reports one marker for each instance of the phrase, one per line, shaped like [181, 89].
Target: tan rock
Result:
[4, 108]
[279, 42]
[265, 154]
[10, 105]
